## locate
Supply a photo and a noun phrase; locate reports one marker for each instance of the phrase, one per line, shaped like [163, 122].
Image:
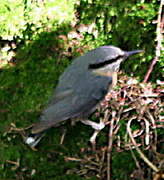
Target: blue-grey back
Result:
[79, 90]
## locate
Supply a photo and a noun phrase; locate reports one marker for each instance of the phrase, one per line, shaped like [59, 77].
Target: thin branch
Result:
[135, 158]
[153, 126]
[142, 155]
[110, 142]
[159, 42]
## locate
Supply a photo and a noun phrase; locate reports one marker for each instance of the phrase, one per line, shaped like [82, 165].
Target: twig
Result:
[159, 43]
[153, 126]
[63, 136]
[73, 159]
[147, 131]
[109, 150]
[142, 155]
[135, 159]
[16, 163]
[102, 163]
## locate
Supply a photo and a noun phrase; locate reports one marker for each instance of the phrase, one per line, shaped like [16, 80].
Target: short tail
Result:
[33, 139]
[37, 132]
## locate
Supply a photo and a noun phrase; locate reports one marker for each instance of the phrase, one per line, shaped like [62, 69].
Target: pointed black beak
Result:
[129, 53]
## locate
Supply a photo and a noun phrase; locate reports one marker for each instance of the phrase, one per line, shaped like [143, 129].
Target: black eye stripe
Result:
[101, 64]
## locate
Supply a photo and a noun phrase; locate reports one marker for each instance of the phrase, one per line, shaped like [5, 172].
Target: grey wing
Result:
[74, 100]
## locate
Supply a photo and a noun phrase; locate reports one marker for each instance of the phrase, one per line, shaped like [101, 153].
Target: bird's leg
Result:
[93, 139]
[74, 121]
[97, 126]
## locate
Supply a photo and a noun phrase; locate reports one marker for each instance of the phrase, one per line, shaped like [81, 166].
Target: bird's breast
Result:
[113, 75]
[114, 78]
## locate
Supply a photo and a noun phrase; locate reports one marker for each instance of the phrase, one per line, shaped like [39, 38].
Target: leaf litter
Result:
[141, 107]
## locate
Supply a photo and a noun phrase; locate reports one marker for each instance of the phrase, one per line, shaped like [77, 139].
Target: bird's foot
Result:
[97, 127]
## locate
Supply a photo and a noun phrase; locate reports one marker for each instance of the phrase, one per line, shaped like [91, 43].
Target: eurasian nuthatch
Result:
[81, 87]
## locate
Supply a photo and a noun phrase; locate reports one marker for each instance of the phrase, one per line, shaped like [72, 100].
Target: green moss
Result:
[123, 165]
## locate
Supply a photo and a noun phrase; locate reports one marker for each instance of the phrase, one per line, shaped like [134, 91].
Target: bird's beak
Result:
[129, 53]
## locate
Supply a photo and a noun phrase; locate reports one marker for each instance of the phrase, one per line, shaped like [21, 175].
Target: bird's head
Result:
[111, 59]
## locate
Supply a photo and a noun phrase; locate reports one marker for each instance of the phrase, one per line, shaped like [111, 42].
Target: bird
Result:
[81, 88]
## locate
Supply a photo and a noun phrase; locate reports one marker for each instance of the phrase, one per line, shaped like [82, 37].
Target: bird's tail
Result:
[33, 139]
[37, 132]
